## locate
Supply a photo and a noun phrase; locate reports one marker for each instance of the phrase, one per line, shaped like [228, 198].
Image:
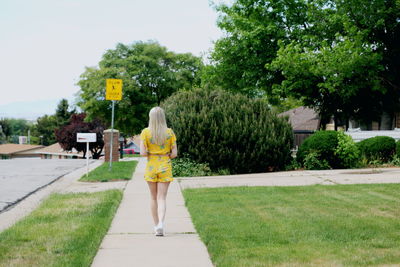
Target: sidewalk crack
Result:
[150, 233]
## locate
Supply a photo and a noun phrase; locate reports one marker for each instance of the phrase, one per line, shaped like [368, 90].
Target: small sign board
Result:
[85, 137]
[113, 89]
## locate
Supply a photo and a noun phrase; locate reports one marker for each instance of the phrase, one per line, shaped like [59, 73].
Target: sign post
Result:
[113, 92]
[86, 138]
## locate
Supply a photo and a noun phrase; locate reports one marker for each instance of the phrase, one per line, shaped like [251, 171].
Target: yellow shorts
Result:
[158, 169]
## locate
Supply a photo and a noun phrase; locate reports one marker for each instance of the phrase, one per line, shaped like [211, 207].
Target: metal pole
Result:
[87, 159]
[112, 135]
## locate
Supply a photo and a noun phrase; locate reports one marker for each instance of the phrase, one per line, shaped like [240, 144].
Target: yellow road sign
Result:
[113, 89]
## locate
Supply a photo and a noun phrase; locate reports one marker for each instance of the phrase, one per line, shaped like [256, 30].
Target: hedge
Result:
[378, 148]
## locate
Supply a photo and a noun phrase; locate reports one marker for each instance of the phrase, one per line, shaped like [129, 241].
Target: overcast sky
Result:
[45, 44]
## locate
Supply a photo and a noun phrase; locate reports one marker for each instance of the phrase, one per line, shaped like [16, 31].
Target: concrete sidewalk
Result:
[130, 240]
[297, 178]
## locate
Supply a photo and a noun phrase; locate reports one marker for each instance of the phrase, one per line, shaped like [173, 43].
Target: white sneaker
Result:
[159, 230]
[155, 230]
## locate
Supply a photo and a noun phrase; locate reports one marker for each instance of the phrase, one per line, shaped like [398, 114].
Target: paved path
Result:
[130, 240]
[297, 178]
[21, 177]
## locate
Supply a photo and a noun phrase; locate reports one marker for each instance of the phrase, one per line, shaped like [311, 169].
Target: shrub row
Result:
[398, 149]
[378, 148]
[331, 149]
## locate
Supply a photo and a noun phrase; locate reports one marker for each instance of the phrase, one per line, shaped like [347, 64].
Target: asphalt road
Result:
[21, 177]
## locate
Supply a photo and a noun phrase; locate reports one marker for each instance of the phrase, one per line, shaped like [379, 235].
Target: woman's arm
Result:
[143, 150]
[174, 152]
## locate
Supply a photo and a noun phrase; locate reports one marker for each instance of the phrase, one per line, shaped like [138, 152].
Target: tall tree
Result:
[12, 128]
[44, 129]
[5, 126]
[63, 112]
[45, 126]
[334, 54]
[349, 74]
[252, 31]
[150, 73]
[3, 138]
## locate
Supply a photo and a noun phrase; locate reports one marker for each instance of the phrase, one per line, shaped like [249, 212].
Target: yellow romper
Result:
[158, 168]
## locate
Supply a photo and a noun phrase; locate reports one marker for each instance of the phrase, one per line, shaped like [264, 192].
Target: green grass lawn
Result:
[121, 170]
[131, 155]
[66, 230]
[341, 225]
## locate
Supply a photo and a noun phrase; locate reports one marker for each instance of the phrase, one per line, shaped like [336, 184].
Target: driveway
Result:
[21, 177]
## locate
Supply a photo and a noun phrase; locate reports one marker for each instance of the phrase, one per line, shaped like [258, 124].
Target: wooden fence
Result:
[299, 137]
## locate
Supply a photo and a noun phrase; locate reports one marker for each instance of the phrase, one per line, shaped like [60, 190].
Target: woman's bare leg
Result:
[153, 201]
[162, 189]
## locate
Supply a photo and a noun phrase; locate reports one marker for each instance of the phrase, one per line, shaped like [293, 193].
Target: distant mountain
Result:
[30, 110]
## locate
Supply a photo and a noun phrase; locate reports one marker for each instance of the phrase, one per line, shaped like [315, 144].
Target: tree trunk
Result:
[322, 121]
[335, 121]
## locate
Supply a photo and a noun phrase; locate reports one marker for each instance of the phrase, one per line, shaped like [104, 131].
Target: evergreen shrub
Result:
[185, 167]
[322, 142]
[398, 149]
[380, 148]
[395, 161]
[347, 151]
[229, 131]
[313, 161]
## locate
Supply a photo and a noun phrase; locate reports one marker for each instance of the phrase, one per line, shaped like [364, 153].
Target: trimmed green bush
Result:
[313, 161]
[185, 167]
[395, 161]
[322, 142]
[347, 151]
[380, 148]
[229, 131]
[398, 149]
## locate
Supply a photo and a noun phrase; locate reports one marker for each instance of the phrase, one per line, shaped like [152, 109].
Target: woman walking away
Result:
[158, 144]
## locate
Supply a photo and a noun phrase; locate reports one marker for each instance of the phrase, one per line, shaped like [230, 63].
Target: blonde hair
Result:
[157, 125]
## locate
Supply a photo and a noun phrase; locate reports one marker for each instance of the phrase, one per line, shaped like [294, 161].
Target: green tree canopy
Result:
[64, 112]
[44, 129]
[343, 69]
[339, 56]
[252, 31]
[150, 74]
[45, 126]
[12, 128]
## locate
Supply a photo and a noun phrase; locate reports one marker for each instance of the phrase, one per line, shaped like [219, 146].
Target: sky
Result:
[46, 44]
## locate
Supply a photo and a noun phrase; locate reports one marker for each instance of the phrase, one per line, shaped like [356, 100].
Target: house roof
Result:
[8, 149]
[56, 149]
[302, 119]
